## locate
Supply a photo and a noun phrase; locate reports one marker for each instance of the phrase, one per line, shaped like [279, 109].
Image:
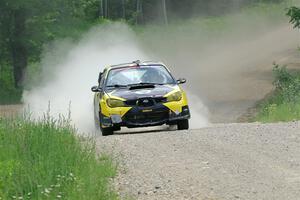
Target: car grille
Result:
[150, 117]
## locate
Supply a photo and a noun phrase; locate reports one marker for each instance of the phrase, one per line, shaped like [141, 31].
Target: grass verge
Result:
[284, 103]
[46, 160]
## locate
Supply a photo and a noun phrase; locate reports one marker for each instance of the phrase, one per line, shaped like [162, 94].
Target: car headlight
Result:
[177, 96]
[113, 103]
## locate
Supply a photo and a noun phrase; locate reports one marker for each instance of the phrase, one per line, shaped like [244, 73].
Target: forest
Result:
[27, 26]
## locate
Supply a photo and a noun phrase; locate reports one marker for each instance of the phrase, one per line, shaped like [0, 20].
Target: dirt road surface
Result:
[226, 161]
[10, 110]
[223, 161]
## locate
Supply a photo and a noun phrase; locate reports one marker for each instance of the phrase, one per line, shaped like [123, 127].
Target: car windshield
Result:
[137, 75]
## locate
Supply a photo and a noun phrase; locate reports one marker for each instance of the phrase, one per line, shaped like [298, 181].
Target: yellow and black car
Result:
[139, 94]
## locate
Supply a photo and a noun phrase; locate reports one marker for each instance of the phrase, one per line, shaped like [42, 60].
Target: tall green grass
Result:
[279, 113]
[46, 160]
[284, 103]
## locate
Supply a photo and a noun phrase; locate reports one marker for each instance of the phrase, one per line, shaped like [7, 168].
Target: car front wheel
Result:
[183, 124]
[105, 131]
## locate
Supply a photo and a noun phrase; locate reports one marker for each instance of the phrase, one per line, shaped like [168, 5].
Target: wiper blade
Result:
[117, 86]
[153, 83]
[143, 84]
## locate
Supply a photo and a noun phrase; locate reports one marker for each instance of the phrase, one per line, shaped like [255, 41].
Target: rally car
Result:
[139, 94]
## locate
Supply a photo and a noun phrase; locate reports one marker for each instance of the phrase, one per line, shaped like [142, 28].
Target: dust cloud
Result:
[229, 69]
[71, 68]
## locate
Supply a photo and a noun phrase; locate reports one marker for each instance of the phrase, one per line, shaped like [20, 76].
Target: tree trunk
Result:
[123, 9]
[18, 47]
[164, 8]
[101, 11]
[105, 8]
[236, 5]
[141, 12]
[137, 11]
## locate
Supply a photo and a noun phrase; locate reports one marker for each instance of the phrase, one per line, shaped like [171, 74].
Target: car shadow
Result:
[155, 129]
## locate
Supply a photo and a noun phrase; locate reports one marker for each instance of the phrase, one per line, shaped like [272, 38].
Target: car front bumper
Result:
[144, 117]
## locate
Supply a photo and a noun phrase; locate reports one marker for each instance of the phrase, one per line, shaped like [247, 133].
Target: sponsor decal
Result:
[150, 110]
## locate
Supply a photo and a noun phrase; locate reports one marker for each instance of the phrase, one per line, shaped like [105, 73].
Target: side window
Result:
[102, 78]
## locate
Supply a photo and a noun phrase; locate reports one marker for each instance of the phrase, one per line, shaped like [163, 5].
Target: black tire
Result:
[107, 131]
[183, 124]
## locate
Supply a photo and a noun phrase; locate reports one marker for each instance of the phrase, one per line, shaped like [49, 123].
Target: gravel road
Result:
[224, 161]
[10, 110]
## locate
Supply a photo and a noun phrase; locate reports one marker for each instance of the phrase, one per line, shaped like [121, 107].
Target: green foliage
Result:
[294, 14]
[8, 93]
[284, 103]
[27, 26]
[46, 160]
[286, 84]
[279, 112]
[45, 20]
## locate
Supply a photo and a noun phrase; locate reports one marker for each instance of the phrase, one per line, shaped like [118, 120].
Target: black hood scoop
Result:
[136, 87]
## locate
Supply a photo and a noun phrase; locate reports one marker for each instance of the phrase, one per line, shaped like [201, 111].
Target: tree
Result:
[13, 19]
[294, 14]
[123, 9]
[105, 8]
[18, 46]
[101, 11]
[25, 26]
[138, 2]
[164, 9]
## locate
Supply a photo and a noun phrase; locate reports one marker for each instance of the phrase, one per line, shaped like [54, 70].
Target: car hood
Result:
[157, 91]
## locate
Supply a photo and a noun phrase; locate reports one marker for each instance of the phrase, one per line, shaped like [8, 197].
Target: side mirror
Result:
[181, 81]
[96, 89]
